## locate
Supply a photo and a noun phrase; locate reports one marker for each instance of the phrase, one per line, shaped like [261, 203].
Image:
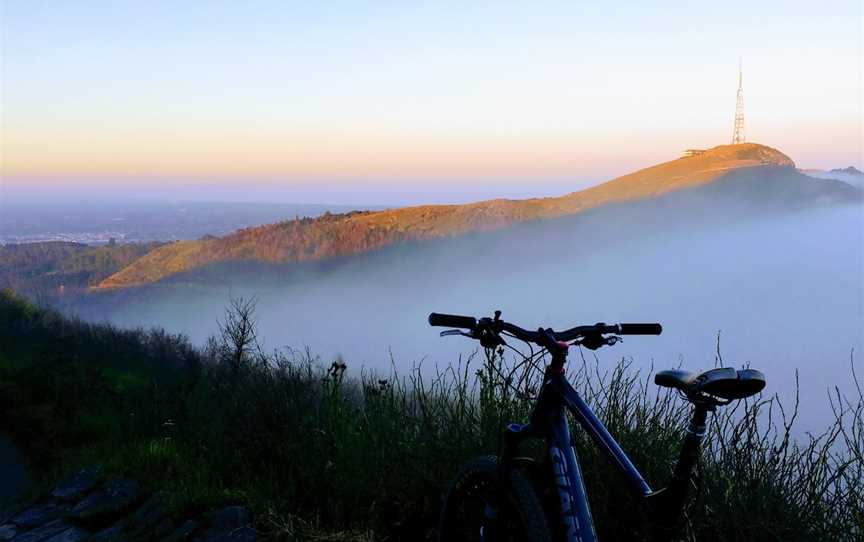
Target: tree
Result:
[239, 338]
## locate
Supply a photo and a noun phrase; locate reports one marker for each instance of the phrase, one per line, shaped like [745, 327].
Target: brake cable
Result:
[526, 358]
[529, 359]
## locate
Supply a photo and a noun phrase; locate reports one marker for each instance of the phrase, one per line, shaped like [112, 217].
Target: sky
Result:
[317, 100]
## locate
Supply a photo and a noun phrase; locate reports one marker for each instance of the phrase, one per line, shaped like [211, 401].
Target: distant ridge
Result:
[849, 175]
[851, 170]
[358, 232]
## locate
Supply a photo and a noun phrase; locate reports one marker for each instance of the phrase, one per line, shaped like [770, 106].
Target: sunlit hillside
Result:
[352, 233]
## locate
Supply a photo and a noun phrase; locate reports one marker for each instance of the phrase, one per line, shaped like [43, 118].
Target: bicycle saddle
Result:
[723, 382]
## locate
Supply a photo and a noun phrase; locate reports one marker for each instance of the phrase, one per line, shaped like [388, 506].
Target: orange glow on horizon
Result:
[317, 155]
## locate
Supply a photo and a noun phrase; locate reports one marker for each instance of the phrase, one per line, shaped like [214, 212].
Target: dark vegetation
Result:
[319, 454]
[40, 269]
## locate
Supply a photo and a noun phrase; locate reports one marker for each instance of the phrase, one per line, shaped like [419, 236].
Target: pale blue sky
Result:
[294, 91]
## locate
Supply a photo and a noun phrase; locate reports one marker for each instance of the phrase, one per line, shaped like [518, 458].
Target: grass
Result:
[318, 454]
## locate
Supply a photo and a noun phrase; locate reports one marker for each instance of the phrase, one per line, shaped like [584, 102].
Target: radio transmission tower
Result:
[738, 133]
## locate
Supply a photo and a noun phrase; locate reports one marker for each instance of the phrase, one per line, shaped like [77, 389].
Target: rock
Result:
[112, 533]
[228, 518]
[182, 532]
[72, 534]
[240, 534]
[229, 524]
[79, 505]
[162, 529]
[149, 514]
[44, 532]
[8, 532]
[75, 486]
[37, 515]
[112, 498]
[243, 534]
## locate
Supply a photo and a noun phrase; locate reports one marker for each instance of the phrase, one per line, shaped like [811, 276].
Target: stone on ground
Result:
[112, 498]
[75, 486]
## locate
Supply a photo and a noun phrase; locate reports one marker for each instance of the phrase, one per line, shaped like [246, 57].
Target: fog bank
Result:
[784, 289]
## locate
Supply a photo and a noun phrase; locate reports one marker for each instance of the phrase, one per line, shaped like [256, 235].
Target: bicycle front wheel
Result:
[516, 513]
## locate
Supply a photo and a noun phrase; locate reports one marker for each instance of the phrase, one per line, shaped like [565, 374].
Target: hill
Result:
[851, 170]
[37, 268]
[759, 171]
[849, 175]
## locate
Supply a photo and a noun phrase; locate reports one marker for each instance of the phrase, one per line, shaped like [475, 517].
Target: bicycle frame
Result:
[549, 421]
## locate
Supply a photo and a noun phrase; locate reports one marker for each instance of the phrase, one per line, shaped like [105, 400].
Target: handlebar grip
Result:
[452, 320]
[640, 329]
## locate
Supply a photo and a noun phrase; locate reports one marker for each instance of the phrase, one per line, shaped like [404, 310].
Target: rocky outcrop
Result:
[86, 507]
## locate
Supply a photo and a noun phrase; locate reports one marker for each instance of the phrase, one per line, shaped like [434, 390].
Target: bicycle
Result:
[492, 498]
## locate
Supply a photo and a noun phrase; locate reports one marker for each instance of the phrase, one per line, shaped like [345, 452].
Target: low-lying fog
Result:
[786, 290]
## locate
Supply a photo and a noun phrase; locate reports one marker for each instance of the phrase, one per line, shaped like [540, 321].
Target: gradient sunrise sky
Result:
[178, 93]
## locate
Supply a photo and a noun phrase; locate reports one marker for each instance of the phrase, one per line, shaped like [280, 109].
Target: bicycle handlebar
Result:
[640, 329]
[472, 323]
[452, 320]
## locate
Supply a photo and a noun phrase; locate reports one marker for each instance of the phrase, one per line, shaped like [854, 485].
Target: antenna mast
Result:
[738, 133]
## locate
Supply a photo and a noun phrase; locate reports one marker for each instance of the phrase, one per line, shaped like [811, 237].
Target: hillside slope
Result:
[37, 268]
[357, 232]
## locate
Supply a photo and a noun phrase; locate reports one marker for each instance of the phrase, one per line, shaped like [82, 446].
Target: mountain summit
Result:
[764, 173]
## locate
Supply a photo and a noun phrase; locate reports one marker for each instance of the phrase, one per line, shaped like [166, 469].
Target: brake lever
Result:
[449, 332]
[593, 342]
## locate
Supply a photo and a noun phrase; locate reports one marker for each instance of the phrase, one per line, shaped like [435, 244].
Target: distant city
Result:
[134, 222]
[89, 238]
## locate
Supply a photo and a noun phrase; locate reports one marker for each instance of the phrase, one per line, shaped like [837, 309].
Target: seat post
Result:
[693, 438]
[674, 495]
